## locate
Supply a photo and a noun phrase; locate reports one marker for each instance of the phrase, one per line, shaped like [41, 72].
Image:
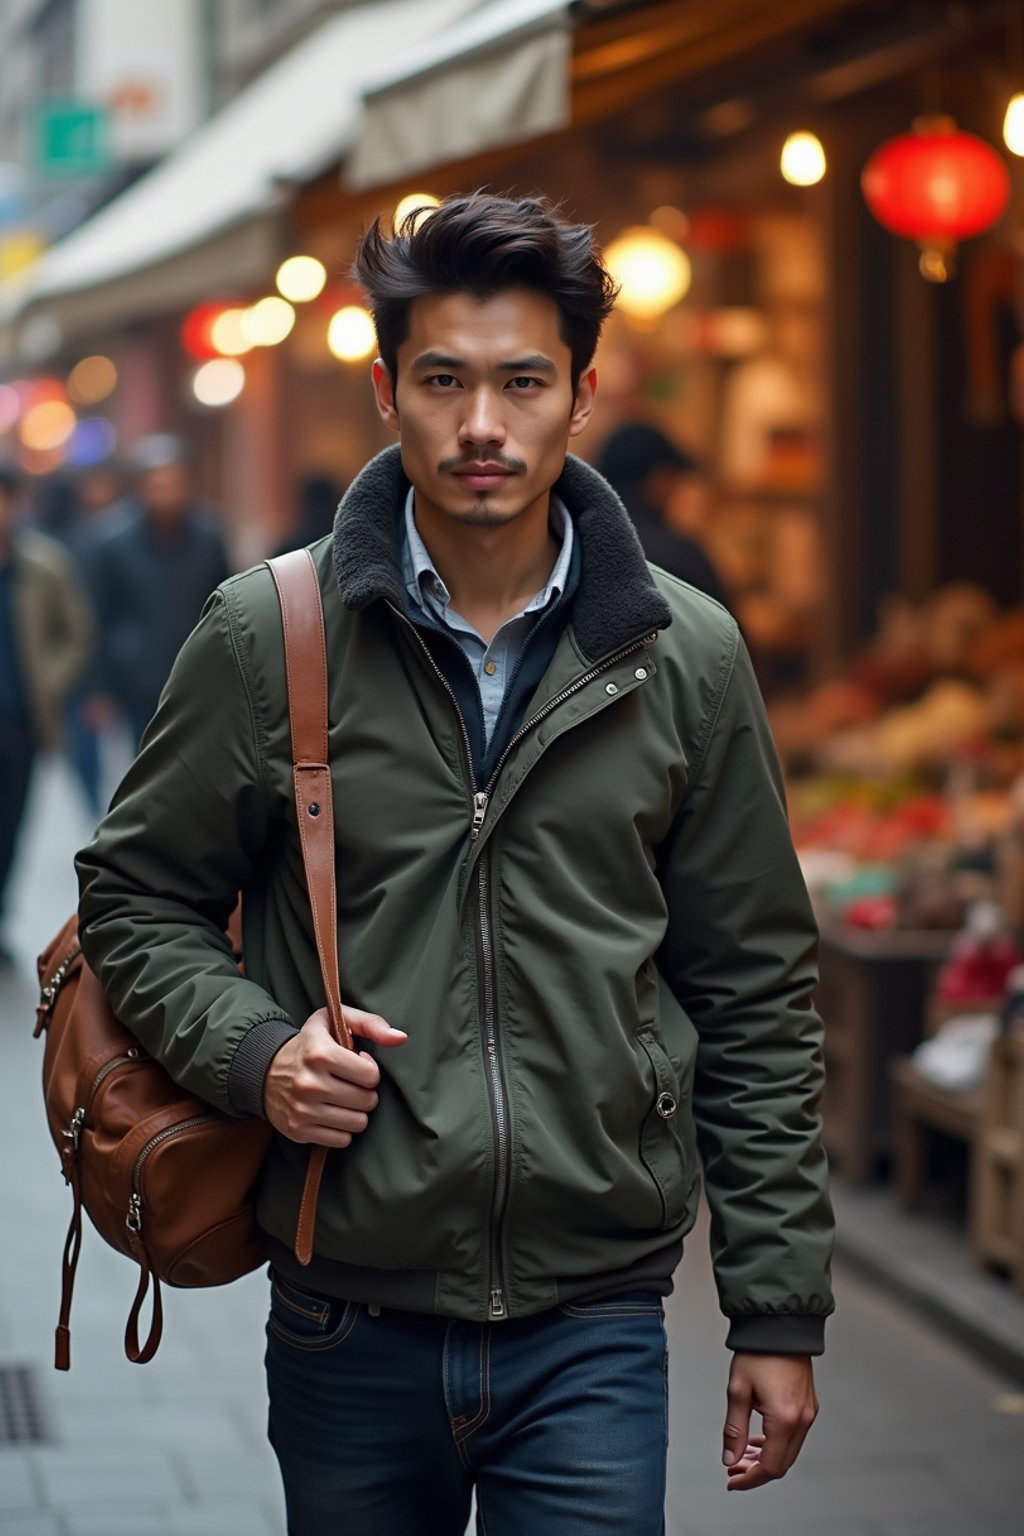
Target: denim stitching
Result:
[613, 1311]
[320, 1315]
[483, 1403]
[331, 1341]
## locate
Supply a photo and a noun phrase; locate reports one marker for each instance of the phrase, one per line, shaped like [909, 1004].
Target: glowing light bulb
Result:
[651, 270]
[218, 382]
[268, 322]
[92, 380]
[425, 202]
[301, 278]
[803, 160]
[47, 425]
[1013, 124]
[227, 333]
[351, 335]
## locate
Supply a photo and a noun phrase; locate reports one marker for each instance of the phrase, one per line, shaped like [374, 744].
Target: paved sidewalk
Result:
[916, 1438]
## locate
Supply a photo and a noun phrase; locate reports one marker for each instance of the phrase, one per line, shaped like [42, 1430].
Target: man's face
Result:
[485, 405]
[164, 491]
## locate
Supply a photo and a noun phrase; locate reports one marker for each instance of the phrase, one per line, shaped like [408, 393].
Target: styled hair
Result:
[483, 245]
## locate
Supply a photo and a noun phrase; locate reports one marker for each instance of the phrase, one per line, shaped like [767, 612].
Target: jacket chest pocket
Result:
[665, 1135]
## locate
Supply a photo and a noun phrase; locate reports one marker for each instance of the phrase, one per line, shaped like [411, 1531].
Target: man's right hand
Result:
[315, 1091]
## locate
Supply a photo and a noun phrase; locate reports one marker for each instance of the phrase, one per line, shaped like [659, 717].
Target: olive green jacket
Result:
[604, 959]
[53, 628]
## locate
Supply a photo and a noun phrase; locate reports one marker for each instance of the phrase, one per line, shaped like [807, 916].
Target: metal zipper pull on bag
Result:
[135, 1148]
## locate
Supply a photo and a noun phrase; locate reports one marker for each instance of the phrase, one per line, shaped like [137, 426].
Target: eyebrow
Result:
[536, 362]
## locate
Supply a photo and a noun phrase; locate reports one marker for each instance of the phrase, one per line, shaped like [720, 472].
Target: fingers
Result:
[736, 1435]
[775, 1451]
[370, 1026]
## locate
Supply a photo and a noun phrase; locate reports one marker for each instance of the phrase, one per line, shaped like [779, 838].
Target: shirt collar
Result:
[426, 587]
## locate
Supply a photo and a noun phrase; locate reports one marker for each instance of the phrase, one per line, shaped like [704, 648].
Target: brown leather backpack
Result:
[165, 1178]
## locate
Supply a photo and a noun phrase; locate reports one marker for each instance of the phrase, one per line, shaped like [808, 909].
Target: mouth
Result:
[482, 477]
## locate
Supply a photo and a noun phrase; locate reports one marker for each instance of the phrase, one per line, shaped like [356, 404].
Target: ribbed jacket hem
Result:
[768, 1333]
[256, 1050]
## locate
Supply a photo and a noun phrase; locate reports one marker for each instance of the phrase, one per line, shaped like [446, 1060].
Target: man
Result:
[151, 564]
[572, 931]
[45, 640]
[650, 473]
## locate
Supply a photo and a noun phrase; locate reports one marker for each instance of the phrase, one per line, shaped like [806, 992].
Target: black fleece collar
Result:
[616, 600]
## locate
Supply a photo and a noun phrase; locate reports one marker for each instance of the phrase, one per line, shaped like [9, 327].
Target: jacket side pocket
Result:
[662, 1135]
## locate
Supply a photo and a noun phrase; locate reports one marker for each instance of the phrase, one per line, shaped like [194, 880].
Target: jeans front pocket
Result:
[305, 1320]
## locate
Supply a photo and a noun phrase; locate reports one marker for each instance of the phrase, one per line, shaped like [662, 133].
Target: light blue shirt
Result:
[492, 664]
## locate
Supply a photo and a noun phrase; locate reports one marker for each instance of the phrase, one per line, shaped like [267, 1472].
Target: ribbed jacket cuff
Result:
[767, 1333]
[256, 1050]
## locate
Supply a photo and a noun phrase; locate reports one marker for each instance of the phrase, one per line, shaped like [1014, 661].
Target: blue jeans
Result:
[386, 1423]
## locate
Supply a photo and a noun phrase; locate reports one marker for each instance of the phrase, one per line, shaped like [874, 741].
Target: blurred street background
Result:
[812, 403]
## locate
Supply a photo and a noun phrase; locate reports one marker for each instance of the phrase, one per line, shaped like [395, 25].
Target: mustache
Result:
[499, 461]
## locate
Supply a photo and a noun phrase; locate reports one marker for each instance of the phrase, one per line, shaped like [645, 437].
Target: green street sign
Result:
[71, 139]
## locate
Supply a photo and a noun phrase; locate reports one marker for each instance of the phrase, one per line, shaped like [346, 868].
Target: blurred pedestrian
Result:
[319, 496]
[574, 932]
[46, 633]
[650, 473]
[153, 564]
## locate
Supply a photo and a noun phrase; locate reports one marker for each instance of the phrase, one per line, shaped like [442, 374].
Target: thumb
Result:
[370, 1026]
[736, 1434]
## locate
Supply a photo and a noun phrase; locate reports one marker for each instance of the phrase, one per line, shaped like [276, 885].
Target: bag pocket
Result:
[665, 1133]
[304, 1320]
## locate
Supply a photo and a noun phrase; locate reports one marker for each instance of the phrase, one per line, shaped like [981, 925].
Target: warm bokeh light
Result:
[653, 273]
[10, 407]
[1013, 124]
[196, 328]
[92, 380]
[47, 425]
[351, 335]
[426, 202]
[268, 322]
[227, 333]
[301, 278]
[803, 160]
[218, 382]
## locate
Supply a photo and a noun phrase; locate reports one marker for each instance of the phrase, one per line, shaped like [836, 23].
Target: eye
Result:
[443, 380]
[523, 383]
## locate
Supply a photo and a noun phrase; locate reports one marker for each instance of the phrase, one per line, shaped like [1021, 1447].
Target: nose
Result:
[482, 419]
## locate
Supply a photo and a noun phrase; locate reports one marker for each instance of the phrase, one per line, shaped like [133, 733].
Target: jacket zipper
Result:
[133, 1220]
[496, 1310]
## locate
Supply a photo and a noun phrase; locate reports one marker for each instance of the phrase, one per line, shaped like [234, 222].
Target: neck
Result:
[491, 573]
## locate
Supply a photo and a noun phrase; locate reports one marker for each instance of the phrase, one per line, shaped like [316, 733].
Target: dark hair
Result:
[483, 244]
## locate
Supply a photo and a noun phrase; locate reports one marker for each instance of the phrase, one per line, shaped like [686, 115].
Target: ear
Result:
[384, 393]
[583, 405]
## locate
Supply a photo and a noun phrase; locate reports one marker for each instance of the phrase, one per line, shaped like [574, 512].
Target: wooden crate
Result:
[872, 998]
[920, 1106]
[997, 1188]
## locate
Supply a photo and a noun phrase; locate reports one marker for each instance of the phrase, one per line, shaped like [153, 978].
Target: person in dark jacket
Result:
[574, 942]
[150, 568]
[645, 467]
[46, 635]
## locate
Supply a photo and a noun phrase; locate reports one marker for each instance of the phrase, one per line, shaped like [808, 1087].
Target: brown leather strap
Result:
[72, 1248]
[305, 653]
[143, 1355]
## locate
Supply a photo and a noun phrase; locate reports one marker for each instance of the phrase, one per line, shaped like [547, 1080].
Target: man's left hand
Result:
[781, 1389]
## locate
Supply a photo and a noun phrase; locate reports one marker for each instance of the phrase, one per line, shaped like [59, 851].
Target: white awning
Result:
[232, 175]
[495, 77]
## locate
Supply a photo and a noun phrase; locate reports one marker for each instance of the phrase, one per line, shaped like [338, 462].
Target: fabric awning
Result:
[207, 216]
[494, 77]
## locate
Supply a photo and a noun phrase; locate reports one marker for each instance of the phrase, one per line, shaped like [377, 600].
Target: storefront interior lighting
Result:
[351, 335]
[425, 202]
[802, 161]
[227, 333]
[92, 380]
[218, 382]
[46, 426]
[1013, 124]
[301, 278]
[268, 322]
[652, 271]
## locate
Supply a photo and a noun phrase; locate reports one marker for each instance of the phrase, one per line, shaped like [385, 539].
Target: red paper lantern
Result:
[936, 186]
[196, 328]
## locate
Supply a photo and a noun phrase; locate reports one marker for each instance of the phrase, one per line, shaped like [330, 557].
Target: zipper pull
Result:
[133, 1221]
[496, 1309]
[73, 1133]
[479, 812]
